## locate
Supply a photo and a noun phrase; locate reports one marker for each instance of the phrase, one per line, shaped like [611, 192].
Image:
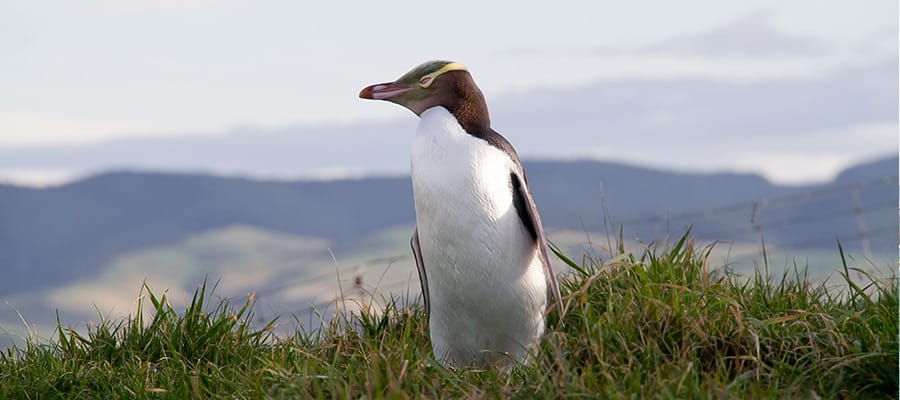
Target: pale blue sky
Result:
[89, 71]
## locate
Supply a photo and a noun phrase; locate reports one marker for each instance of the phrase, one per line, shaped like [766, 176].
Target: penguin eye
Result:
[425, 81]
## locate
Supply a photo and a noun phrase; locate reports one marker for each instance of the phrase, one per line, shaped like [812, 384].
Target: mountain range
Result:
[49, 236]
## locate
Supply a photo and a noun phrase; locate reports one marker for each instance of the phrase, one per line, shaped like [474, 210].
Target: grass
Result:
[659, 324]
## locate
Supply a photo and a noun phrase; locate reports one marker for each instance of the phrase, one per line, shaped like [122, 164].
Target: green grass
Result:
[660, 324]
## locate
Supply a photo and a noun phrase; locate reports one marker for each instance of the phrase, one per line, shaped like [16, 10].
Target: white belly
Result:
[486, 282]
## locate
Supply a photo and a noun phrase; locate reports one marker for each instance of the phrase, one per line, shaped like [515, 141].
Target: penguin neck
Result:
[467, 104]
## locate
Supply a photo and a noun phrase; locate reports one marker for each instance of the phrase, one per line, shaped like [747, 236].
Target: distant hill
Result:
[867, 171]
[53, 235]
[49, 236]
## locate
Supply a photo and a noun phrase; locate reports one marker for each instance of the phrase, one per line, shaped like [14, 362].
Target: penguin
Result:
[478, 243]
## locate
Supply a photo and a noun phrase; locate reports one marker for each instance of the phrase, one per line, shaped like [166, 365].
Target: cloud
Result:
[137, 7]
[748, 48]
[27, 128]
[800, 157]
[792, 130]
[750, 36]
[830, 121]
[37, 177]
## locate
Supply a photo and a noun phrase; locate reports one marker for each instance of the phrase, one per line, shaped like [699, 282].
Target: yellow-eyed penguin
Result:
[478, 243]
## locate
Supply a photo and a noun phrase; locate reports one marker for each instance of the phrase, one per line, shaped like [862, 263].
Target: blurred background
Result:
[164, 142]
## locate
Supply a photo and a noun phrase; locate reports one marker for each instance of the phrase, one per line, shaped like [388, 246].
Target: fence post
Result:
[757, 229]
[862, 229]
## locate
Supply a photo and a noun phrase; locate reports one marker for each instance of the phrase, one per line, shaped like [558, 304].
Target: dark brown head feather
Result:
[458, 93]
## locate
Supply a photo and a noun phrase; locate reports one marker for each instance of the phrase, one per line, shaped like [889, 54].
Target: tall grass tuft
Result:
[661, 323]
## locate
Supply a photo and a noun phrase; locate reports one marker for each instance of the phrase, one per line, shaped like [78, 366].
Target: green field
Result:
[656, 323]
[298, 275]
[303, 276]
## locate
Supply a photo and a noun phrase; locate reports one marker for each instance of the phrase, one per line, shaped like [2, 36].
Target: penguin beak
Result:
[382, 91]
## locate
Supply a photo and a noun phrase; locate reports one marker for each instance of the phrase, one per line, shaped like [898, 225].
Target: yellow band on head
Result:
[453, 66]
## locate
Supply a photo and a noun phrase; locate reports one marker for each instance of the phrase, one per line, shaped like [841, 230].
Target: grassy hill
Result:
[661, 323]
[288, 272]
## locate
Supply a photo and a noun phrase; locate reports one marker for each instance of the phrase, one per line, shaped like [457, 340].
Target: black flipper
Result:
[527, 211]
[420, 265]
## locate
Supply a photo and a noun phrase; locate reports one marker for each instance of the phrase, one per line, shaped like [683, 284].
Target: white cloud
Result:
[750, 36]
[25, 127]
[792, 167]
[37, 177]
[749, 48]
[136, 7]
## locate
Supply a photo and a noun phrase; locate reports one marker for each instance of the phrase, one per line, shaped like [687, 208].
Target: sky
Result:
[93, 72]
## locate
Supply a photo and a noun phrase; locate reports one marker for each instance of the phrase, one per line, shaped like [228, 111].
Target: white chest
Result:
[448, 164]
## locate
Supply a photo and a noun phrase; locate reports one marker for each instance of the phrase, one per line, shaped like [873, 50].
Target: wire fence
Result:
[853, 213]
